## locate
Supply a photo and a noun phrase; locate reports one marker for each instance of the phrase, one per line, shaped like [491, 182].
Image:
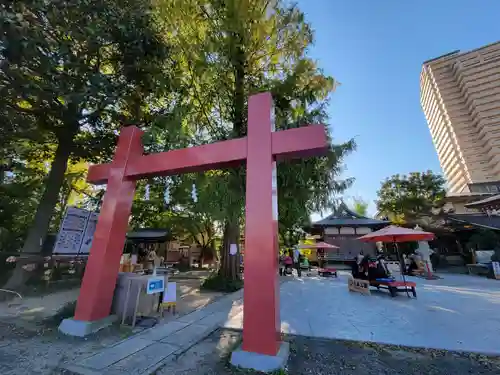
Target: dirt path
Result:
[37, 308]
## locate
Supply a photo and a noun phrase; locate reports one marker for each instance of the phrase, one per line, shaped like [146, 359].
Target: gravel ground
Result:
[328, 357]
[31, 344]
[39, 349]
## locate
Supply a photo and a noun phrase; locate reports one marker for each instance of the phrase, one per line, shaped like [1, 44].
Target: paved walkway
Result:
[146, 352]
[458, 312]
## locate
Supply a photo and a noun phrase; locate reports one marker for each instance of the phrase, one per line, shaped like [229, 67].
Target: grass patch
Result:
[216, 282]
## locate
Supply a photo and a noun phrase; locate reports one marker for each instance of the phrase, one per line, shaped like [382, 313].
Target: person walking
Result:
[281, 261]
[288, 263]
[296, 260]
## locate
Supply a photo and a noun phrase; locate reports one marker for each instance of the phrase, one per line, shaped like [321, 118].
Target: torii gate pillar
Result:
[260, 150]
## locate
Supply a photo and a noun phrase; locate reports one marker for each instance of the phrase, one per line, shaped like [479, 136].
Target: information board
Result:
[155, 285]
[89, 233]
[70, 236]
[76, 232]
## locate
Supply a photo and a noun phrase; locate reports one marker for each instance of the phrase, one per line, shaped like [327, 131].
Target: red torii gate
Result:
[260, 149]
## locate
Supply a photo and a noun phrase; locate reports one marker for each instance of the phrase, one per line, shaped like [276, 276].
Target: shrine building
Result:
[342, 228]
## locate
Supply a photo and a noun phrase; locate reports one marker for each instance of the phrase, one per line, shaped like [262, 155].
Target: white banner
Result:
[275, 172]
[275, 192]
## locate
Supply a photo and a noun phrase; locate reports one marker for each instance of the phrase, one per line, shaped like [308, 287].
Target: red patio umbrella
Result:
[393, 233]
[318, 245]
[396, 234]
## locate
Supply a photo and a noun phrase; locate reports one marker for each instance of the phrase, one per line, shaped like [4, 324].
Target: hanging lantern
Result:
[194, 195]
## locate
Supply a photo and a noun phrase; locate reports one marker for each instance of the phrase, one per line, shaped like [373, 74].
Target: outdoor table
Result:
[395, 287]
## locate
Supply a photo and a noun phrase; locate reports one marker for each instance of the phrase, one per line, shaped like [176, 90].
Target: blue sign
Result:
[155, 285]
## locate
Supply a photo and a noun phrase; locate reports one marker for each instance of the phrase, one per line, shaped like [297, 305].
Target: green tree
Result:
[20, 193]
[408, 197]
[228, 50]
[75, 71]
[360, 206]
[484, 239]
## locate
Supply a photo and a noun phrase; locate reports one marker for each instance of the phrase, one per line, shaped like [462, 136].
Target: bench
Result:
[327, 271]
[482, 262]
[358, 285]
[395, 287]
[477, 269]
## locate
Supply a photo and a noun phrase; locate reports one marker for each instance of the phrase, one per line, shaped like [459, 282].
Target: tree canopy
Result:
[70, 81]
[73, 72]
[360, 206]
[408, 197]
[228, 51]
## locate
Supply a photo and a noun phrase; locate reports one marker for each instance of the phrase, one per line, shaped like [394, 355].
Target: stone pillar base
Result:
[80, 328]
[261, 362]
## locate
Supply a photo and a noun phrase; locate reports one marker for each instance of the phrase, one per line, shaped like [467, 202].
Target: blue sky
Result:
[375, 49]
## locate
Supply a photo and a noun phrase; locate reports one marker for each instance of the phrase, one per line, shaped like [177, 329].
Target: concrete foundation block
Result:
[80, 328]
[261, 362]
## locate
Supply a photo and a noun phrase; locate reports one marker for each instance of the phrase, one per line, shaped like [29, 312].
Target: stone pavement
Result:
[153, 348]
[458, 312]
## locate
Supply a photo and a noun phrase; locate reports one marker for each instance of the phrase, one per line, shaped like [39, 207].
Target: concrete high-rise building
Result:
[460, 96]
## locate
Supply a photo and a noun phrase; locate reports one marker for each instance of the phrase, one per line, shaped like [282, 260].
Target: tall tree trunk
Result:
[230, 264]
[40, 226]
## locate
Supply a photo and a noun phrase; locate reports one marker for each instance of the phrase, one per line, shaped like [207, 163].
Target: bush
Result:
[220, 284]
[183, 265]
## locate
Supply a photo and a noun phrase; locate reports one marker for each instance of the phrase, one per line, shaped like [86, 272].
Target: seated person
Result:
[355, 268]
[379, 270]
[363, 268]
[415, 264]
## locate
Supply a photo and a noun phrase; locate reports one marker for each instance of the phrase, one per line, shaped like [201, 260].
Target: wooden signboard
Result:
[358, 285]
